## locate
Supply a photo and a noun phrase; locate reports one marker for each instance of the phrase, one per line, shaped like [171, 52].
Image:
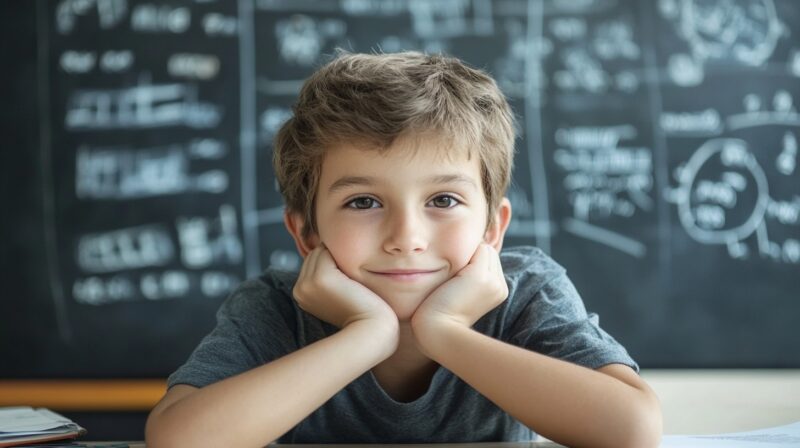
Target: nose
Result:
[406, 232]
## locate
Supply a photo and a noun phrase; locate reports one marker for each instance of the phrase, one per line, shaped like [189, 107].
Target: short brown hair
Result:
[375, 99]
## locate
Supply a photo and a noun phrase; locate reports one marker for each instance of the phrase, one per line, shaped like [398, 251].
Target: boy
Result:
[405, 324]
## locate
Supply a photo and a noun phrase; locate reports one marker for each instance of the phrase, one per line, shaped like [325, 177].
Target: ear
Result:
[294, 224]
[502, 218]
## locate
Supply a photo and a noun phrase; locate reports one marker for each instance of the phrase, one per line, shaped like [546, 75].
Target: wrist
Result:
[381, 334]
[431, 333]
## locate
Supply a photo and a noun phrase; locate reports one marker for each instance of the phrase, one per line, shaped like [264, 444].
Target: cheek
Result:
[348, 247]
[458, 243]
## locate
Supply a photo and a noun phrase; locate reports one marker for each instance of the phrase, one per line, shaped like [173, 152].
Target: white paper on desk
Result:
[780, 436]
[26, 420]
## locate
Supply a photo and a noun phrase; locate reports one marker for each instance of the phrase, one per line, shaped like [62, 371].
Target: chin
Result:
[404, 307]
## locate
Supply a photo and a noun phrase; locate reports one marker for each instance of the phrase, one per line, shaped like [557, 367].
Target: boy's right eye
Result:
[362, 203]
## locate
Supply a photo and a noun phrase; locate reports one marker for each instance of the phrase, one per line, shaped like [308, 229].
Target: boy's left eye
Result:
[444, 201]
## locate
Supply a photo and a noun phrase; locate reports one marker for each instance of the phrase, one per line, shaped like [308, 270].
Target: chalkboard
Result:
[657, 161]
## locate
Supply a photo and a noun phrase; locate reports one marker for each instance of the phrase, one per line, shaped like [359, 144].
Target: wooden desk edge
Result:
[83, 395]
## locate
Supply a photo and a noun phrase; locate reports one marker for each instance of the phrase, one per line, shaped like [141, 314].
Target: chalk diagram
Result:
[723, 199]
[596, 58]
[723, 195]
[708, 208]
[743, 31]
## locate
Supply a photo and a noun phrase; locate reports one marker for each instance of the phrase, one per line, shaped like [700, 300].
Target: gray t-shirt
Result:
[261, 322]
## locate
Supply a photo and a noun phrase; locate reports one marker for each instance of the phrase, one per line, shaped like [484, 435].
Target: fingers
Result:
[317, 255]
[487, 258]
[490, 255]
[494, 260]
[309, 266]
[326, 262]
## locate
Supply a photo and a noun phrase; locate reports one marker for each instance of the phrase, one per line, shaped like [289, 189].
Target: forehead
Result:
[345, 165]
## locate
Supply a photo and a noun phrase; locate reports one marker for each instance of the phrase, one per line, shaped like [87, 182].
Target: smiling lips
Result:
[406, 275]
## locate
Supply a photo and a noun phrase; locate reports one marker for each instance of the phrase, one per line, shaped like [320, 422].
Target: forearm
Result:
[564, 402]
[258, 406]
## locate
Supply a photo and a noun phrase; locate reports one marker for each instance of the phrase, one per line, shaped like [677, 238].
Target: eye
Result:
[445, 201]
[362, 203]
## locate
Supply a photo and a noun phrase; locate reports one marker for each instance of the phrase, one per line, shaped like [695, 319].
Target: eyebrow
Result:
[351, 181]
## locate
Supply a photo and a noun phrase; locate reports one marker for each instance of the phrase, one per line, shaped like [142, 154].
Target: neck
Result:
[406, 374]
[407, 348]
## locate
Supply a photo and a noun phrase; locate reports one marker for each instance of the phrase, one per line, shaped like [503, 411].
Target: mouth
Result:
[406, 275]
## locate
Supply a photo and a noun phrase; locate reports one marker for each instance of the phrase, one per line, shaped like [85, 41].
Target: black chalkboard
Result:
[657, 161]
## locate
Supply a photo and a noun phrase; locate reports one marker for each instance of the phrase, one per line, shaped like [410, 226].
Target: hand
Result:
[323, 290]
[474, 291]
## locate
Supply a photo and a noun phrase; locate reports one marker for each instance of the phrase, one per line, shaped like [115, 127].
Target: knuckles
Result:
[310, 287]
[495, 288]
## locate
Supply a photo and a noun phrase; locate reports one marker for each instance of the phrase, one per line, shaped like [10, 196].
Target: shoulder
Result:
[279, 281]
[272, 290]
[529, 268]
[532, 277]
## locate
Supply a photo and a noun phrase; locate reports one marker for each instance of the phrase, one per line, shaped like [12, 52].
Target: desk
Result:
[693, 401]
[725, 400]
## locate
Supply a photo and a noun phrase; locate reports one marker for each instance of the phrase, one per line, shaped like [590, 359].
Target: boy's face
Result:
[380, 213]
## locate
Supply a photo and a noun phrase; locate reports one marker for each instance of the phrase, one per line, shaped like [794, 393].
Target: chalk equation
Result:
[145, 18]
[602, 176]
[128, 173]
[149, 261]
[143, 106]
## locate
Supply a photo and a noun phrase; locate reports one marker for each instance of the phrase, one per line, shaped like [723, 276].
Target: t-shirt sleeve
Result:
[254, 326]
[555, 323]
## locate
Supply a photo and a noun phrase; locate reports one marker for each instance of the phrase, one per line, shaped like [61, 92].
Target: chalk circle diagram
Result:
[723, 192]
[745, 31]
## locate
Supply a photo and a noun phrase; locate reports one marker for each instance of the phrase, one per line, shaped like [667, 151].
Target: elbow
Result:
[165, 429]
[645, 426]
[644, 436]
[159, 433]
[155, 435]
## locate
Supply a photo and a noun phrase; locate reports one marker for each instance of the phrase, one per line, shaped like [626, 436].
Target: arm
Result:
[570, 404]
[567, 403]
[256, 407]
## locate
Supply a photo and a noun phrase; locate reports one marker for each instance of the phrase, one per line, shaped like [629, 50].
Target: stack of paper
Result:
[19, 425]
